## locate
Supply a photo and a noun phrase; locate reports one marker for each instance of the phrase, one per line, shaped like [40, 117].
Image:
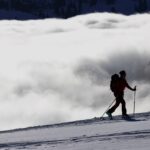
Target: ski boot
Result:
[109, 115]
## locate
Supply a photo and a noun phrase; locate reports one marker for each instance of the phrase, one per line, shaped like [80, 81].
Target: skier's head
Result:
[122, 73]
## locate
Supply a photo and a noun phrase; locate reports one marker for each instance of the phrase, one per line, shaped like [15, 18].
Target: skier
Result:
[118, 91]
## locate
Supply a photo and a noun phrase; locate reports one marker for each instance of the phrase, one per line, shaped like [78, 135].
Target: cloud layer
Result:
[59, 70]
[136, 64]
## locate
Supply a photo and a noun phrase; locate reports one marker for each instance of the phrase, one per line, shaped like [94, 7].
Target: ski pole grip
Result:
[135, 88]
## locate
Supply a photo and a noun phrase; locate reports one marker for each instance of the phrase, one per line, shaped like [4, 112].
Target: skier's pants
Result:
[119, 99]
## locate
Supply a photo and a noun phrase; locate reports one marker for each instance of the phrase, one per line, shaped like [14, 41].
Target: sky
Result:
[57, 70]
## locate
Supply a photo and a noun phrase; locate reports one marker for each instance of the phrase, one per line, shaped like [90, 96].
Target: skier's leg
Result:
[124, 110]
[113, 108]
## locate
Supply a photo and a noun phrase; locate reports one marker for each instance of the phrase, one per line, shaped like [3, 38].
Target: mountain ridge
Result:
[25, 9]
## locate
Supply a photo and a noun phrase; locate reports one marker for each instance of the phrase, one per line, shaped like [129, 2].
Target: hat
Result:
[122, 72]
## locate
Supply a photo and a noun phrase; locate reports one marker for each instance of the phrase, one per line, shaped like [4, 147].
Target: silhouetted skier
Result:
[118, 90]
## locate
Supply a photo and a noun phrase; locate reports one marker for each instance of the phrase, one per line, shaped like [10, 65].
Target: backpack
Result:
[114, 82]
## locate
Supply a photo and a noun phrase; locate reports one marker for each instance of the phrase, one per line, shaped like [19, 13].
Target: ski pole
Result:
[134, 102]
[107, 110]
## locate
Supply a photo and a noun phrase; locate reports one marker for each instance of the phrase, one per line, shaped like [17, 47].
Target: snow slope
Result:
[92, 134]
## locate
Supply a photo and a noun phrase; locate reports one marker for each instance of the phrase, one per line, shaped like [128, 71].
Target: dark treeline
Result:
[69, 8]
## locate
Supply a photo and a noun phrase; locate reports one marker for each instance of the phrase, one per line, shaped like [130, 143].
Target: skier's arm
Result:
[129, 87]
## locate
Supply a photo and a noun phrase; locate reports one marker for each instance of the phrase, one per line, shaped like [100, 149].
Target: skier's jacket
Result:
[122, 84]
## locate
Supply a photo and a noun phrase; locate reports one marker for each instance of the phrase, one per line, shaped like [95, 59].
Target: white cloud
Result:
[59, 70]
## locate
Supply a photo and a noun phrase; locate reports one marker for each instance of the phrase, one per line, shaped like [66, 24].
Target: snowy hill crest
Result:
[85, 134]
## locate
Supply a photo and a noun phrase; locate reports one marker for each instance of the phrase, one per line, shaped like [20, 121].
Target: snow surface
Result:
[92, 134]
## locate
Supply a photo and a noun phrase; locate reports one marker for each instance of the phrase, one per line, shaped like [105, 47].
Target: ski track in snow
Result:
[119, 136]
[76, 141]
